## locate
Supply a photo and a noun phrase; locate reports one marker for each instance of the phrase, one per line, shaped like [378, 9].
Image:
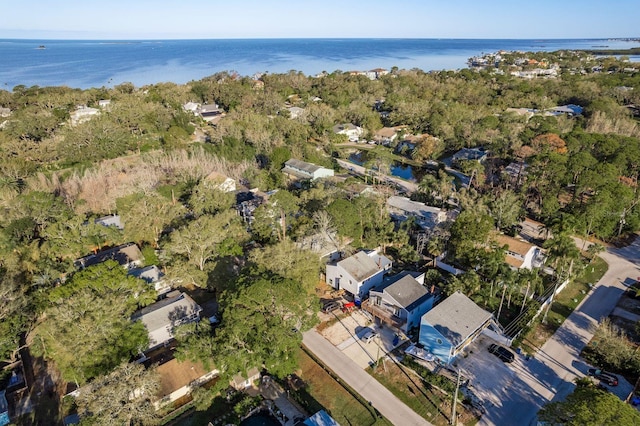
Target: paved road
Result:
[550, 375]
[381, 399]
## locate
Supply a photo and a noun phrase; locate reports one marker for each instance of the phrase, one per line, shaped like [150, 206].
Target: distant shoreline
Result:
[632, 51]
[106, 63]
[141, 40]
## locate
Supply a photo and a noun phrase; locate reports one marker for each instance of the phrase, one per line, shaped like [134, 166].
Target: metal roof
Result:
[362, 266]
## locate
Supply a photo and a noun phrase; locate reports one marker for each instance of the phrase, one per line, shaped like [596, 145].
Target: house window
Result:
[330, 280]
[439, 341]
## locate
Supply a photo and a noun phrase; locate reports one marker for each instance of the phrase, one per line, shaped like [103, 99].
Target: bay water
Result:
[102, 63]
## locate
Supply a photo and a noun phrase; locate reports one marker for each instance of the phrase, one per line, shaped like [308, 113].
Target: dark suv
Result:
[501, 352]
[604, 376]
[330, 307]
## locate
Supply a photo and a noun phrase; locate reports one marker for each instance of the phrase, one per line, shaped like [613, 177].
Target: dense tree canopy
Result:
[589, 406]
[146, 158]
[86, 327]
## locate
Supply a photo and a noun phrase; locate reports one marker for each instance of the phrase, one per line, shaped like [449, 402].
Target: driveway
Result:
[487, 374]
[346, 335]
[551, 373]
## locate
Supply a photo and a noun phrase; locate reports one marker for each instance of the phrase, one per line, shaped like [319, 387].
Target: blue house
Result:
[400, 301]
[447, 329]
[4, 410]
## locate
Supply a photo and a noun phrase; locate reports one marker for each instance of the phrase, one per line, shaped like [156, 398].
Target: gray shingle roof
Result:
[123, 254]
[150, 274]
[301, 165]
[457, 317]
[161, 317]
[407, 292]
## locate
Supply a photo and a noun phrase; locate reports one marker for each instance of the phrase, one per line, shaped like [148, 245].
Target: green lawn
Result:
[563, 305]
[324, 392]
[419, 395]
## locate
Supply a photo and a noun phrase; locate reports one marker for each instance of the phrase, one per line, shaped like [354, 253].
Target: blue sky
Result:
[163, 19]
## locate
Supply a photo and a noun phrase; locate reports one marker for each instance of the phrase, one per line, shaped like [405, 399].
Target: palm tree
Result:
[562, 252]
[507, 282]
[533, 282]
[436, 246]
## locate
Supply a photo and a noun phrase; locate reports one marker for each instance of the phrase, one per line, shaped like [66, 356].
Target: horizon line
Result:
[117, 38]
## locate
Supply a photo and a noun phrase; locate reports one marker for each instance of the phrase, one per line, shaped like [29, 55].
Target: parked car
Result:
[369, 336]
[604, 376]
[330, 307]
[501, 352]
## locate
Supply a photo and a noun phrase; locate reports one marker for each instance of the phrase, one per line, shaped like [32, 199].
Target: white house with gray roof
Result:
[359, 273]
[110, 220]
[152, 275]
[162, 317]
[452, 325]
[427, 217]
[400, 301]
[352, 131]
[302, 170]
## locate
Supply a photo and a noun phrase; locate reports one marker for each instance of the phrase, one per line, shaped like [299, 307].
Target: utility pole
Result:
[455, 401]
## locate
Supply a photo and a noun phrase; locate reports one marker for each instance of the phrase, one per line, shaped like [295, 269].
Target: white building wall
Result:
[322, 172]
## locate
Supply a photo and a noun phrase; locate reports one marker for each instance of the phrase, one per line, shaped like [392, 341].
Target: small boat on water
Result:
[42, 46]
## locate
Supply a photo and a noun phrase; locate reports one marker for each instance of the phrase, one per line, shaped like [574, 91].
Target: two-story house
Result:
[448, 328]
[520, 254]
[427, 217]
[359, 273]
[400, 301]
[353, 132]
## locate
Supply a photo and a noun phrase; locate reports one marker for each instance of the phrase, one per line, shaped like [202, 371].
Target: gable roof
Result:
[516, 246]
[175, 374]
[401, 208]
[123, 254]
[408, 292]
[469, 154]
[150, 274]
[457, 317]
[161, 317]
[386, 132]
[301, 165]
[344, 127]
[414, 207]
[361, 266]
[110, 220]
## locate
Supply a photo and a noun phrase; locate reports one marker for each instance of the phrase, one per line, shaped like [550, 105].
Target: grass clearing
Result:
[324, 392]
[563, 305]
[426, 401]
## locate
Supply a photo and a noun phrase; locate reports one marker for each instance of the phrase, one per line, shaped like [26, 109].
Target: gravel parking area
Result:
[488, 375]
